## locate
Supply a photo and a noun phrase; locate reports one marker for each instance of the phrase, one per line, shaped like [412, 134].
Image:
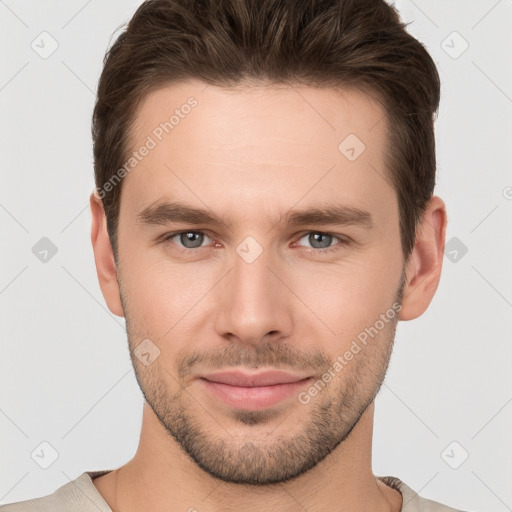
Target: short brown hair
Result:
[318, 43]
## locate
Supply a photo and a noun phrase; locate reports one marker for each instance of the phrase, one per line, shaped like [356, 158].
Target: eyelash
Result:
[343, 241]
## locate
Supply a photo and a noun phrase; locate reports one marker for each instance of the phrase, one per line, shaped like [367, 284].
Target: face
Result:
[296, 265]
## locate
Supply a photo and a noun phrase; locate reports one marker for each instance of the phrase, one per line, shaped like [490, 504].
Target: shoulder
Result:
[79, 495]
[412, 501]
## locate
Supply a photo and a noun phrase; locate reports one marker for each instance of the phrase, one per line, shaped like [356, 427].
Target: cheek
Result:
[161, 294]
[351, 296]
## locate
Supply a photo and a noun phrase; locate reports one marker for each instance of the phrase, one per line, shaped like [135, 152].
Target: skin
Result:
[251, 155]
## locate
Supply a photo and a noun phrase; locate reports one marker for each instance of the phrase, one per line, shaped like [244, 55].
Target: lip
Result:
[243, 379]
[253, 391]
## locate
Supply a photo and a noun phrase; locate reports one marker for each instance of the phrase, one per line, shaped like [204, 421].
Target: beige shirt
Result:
[80, 495]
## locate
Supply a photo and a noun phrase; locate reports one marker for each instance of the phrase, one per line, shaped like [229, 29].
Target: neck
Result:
[162, 477]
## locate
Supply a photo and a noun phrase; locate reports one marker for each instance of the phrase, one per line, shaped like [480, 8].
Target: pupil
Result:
[190, 241]
[315, 235]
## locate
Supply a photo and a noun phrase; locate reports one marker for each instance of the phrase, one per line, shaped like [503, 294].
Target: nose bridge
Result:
[252, 303]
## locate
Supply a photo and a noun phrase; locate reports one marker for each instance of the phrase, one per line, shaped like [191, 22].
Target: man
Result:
[263, 217]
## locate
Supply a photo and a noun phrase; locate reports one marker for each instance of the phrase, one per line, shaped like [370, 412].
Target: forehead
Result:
[304, 113]
[257, 142]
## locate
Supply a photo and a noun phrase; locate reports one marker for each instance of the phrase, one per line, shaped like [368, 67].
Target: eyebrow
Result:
[167, 212]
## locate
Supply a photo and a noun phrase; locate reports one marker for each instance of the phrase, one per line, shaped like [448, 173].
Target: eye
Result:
[187, 239]
[323, 241]
[320, 242]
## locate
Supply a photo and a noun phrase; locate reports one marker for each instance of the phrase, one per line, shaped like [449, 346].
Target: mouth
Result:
[253, 391]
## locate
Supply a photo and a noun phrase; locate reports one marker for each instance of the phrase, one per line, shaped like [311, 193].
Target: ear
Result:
[423, 268]
[104, 256]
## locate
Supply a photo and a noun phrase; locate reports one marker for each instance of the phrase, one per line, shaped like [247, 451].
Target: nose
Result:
[254, 304]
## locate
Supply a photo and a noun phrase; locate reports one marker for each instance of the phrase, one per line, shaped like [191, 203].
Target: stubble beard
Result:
[242, 454]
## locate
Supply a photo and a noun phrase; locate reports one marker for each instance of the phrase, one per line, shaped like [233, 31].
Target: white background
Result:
[65, 373]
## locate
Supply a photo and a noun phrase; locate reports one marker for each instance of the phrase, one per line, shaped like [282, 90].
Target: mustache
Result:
[274, 354]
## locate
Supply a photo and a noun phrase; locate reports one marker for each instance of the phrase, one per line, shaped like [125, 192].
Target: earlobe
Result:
[104, 257]
[423, 270]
